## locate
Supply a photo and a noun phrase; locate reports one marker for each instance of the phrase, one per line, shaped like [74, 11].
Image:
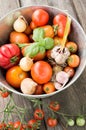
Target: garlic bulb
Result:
[26, 63]
[28, 86]
[20, 24]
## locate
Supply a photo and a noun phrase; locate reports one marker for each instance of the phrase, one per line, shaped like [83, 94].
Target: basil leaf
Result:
[49, 43]
[42, 49]
[32, 50]
[38, 34]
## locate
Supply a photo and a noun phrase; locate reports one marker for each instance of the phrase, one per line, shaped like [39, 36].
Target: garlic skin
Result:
[26, 63]
[60, 56]
[62, 77]
[58, 86]
[20, 24]
[28, 86]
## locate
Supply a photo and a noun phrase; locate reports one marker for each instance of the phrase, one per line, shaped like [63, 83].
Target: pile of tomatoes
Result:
[29, 69]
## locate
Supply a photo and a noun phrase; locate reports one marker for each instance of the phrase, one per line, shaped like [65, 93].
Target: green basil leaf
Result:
[32, 50]
[38, 34]
[42, 49]
[49, 43]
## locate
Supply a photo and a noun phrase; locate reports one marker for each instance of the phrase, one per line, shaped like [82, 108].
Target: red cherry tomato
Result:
[52, 122]
[41, 72]
[39, 114]
[32, 124]
[60, 20]
[40, 17]
[39, 90]
[54, 105]
[5, 94]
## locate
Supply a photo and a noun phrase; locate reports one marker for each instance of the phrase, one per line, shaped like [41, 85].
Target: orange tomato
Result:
[15, 75]
[39, 56]
[48, 53]
[18, 37]
[72, 46]
[49, 87]
[73, 60]
[33, 25]
[57, 40]
[28, 30]
[49, 31]
[41, 72]
[70, 71]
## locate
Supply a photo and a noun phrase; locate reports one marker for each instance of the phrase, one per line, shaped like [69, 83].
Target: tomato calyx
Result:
[13, 59]
[55, 27]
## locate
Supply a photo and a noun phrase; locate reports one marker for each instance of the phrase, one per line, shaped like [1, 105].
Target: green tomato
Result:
[70, 122]
[80, 121]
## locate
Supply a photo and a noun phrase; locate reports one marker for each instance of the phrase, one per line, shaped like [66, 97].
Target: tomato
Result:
[60, 20]
[52, 122]
[54, 105]
[72, 46]
[17, 125]
[39, 90]
[33, 124]
[32, 25]
[2, 126]
[57, 40]
[70, 71]
[18, 37]
[39, 56]
[49, 87]
[41, 72]
[40, 17]
[9, 55]
[73, 60]
[15, 75]
[48, 54]
[39, 114]
[28, 30]
[5, 94]
[49, 31]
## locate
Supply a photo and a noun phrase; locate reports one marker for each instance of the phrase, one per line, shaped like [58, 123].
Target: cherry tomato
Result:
[72, 46]
[5, 94]
[39, 114]
[40, 17]
[17, 37]
[41, 72]
[28, 30]
[39, 90]
[32, 25]
[48, 53]
[49, 31]
[54, 105]
[57, 40]
[60, 20]
[17, 125]
[70, 71]
[15, 75]
[49, 87]
[33, 124]
[52, 122]
[39, 56]
[73, 61]
[2, 126]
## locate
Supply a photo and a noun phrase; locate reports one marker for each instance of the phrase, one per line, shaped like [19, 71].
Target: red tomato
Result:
[33, 124]
[39, 114]
[60, 20]
[39, 90]
[18, 125]
[2, 126]
[40, 17]
[9, 55]
[18, 37]
[41, 72]
[54, 105]
[52, 122]
[5, 94]
[32, 25]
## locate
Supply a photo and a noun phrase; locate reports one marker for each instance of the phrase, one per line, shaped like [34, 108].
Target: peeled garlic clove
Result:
[20, 24]
[62, 77]
[28, 86]
[26, 63]
[57, 85]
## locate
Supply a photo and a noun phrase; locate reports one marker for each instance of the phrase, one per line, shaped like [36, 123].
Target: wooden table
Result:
[74, 97]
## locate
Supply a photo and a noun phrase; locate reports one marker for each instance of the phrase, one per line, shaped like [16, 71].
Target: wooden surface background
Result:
[74, 97]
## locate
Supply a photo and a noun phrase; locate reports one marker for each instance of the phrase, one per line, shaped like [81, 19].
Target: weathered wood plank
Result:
[80, 7]
[6, 6]
[33, 2]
